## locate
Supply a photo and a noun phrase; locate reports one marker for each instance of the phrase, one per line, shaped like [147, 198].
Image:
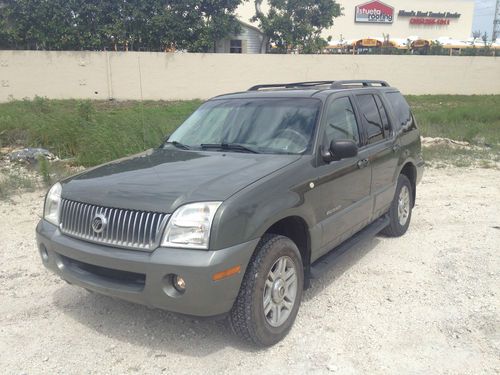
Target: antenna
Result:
[496, 23]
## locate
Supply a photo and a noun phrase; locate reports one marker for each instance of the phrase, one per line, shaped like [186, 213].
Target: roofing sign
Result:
[374, 12]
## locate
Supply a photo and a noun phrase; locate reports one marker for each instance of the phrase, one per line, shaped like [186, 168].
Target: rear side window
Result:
[400, 108]
[371, 118]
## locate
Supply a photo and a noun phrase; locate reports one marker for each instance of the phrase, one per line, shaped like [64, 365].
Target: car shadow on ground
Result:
[161, 331]
[337, 264]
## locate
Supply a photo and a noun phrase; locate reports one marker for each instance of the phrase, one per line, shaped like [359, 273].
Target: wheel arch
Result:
[410, 171]
[296, 228]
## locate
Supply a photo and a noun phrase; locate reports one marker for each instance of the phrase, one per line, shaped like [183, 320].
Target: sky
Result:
[484, 12]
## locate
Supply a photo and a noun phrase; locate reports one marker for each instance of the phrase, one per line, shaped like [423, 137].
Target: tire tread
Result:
[394, 229]
[240, 317]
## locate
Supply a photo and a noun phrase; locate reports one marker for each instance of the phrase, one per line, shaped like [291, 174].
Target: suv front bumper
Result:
[146, 277]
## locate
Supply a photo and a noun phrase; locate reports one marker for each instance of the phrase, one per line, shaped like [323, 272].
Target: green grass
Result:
[475, 119]
[93, 132]
[90, 132]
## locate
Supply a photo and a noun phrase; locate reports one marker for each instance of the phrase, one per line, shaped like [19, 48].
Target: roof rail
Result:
[332, 84]
[290, 85]
[359, 82]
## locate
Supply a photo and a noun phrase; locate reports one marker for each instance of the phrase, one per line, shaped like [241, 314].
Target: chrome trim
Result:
[130, 229]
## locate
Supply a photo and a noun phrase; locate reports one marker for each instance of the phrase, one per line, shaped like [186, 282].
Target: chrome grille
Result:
[133, 229]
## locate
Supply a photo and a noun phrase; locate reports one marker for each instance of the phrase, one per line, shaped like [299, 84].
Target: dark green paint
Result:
[334, 200]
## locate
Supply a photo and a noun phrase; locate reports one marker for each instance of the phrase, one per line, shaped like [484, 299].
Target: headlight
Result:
[190, 226]
[52, 204]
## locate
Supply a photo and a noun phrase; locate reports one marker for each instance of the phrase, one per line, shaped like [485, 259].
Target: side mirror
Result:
[340, 150]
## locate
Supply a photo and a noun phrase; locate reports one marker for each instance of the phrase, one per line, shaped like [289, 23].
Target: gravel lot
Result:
[424, 303]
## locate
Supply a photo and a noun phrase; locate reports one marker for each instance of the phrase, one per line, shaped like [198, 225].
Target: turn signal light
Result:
[223, 274]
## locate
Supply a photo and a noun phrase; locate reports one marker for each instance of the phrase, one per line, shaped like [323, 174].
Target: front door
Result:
[345, 184]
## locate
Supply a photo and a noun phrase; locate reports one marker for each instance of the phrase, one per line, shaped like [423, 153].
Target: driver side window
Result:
[341, 122]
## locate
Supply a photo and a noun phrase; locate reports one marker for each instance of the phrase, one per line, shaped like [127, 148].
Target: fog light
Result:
[179, 284]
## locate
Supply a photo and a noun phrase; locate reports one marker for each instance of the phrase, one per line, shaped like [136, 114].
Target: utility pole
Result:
[496, 23]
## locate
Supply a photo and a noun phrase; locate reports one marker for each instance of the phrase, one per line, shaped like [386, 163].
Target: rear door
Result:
[381, 149]
[344, 184]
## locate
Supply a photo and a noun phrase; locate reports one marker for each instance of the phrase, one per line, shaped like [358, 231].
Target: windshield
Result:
[259, 125]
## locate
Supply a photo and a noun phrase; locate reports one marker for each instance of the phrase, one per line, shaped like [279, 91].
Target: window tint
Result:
[371, 118]
[383, 115]
[341, 122]
[400, 107]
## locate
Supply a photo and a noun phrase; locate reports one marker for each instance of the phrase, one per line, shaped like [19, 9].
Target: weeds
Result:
[86, 110]
[444, 155]
[91, 132]
[39, 104]
[475, 118]
[12, 183]
[44, 170]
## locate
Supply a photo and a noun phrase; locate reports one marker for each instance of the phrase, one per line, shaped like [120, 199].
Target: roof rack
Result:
[290, 85]
[332, 84]
[359, 82]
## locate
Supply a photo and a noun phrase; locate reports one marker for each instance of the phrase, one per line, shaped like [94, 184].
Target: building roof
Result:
[249, 26]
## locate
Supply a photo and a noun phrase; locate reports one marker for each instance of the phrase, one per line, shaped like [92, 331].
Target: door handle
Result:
[396, 148]
[363, 163]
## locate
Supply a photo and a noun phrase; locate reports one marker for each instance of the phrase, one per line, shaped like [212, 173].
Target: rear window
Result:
[400, 108]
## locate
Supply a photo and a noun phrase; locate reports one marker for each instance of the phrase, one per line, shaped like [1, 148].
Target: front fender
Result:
[250, 213]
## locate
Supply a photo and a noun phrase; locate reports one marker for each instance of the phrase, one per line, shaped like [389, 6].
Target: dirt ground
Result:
[428, 302]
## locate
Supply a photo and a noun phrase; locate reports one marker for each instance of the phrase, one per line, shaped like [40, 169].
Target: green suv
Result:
[230, 215]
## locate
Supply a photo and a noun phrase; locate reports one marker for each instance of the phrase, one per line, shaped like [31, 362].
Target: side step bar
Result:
[323, 264]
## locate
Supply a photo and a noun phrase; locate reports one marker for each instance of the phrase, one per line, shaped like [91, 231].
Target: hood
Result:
[161, 180]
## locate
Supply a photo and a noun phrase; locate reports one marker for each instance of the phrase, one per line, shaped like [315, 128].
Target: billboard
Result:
[374, 12]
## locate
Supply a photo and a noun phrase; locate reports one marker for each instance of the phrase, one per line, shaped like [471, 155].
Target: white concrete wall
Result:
[136, 75]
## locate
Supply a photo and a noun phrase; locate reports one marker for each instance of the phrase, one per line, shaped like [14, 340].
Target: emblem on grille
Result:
[99, 223]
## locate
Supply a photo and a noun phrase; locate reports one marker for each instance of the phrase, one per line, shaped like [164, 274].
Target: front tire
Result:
[400, 210]
[270, 294]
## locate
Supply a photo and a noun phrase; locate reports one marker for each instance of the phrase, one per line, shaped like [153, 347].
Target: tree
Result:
[476, 35]
[34, 24]
[218, 20]
[297, 25]
[484, 38]
[153, 25]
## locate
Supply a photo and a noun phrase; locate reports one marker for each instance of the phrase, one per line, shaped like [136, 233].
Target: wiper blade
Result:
[229, 146]
[178, 145]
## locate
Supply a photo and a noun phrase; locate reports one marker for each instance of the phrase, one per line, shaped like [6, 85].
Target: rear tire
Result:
[270, 294]
[400, 210]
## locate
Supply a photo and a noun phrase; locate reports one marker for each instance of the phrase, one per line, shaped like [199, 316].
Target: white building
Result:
[401, 19]
[250, 40]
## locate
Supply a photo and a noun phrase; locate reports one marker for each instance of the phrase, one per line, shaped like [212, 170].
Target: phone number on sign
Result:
[429, 21]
